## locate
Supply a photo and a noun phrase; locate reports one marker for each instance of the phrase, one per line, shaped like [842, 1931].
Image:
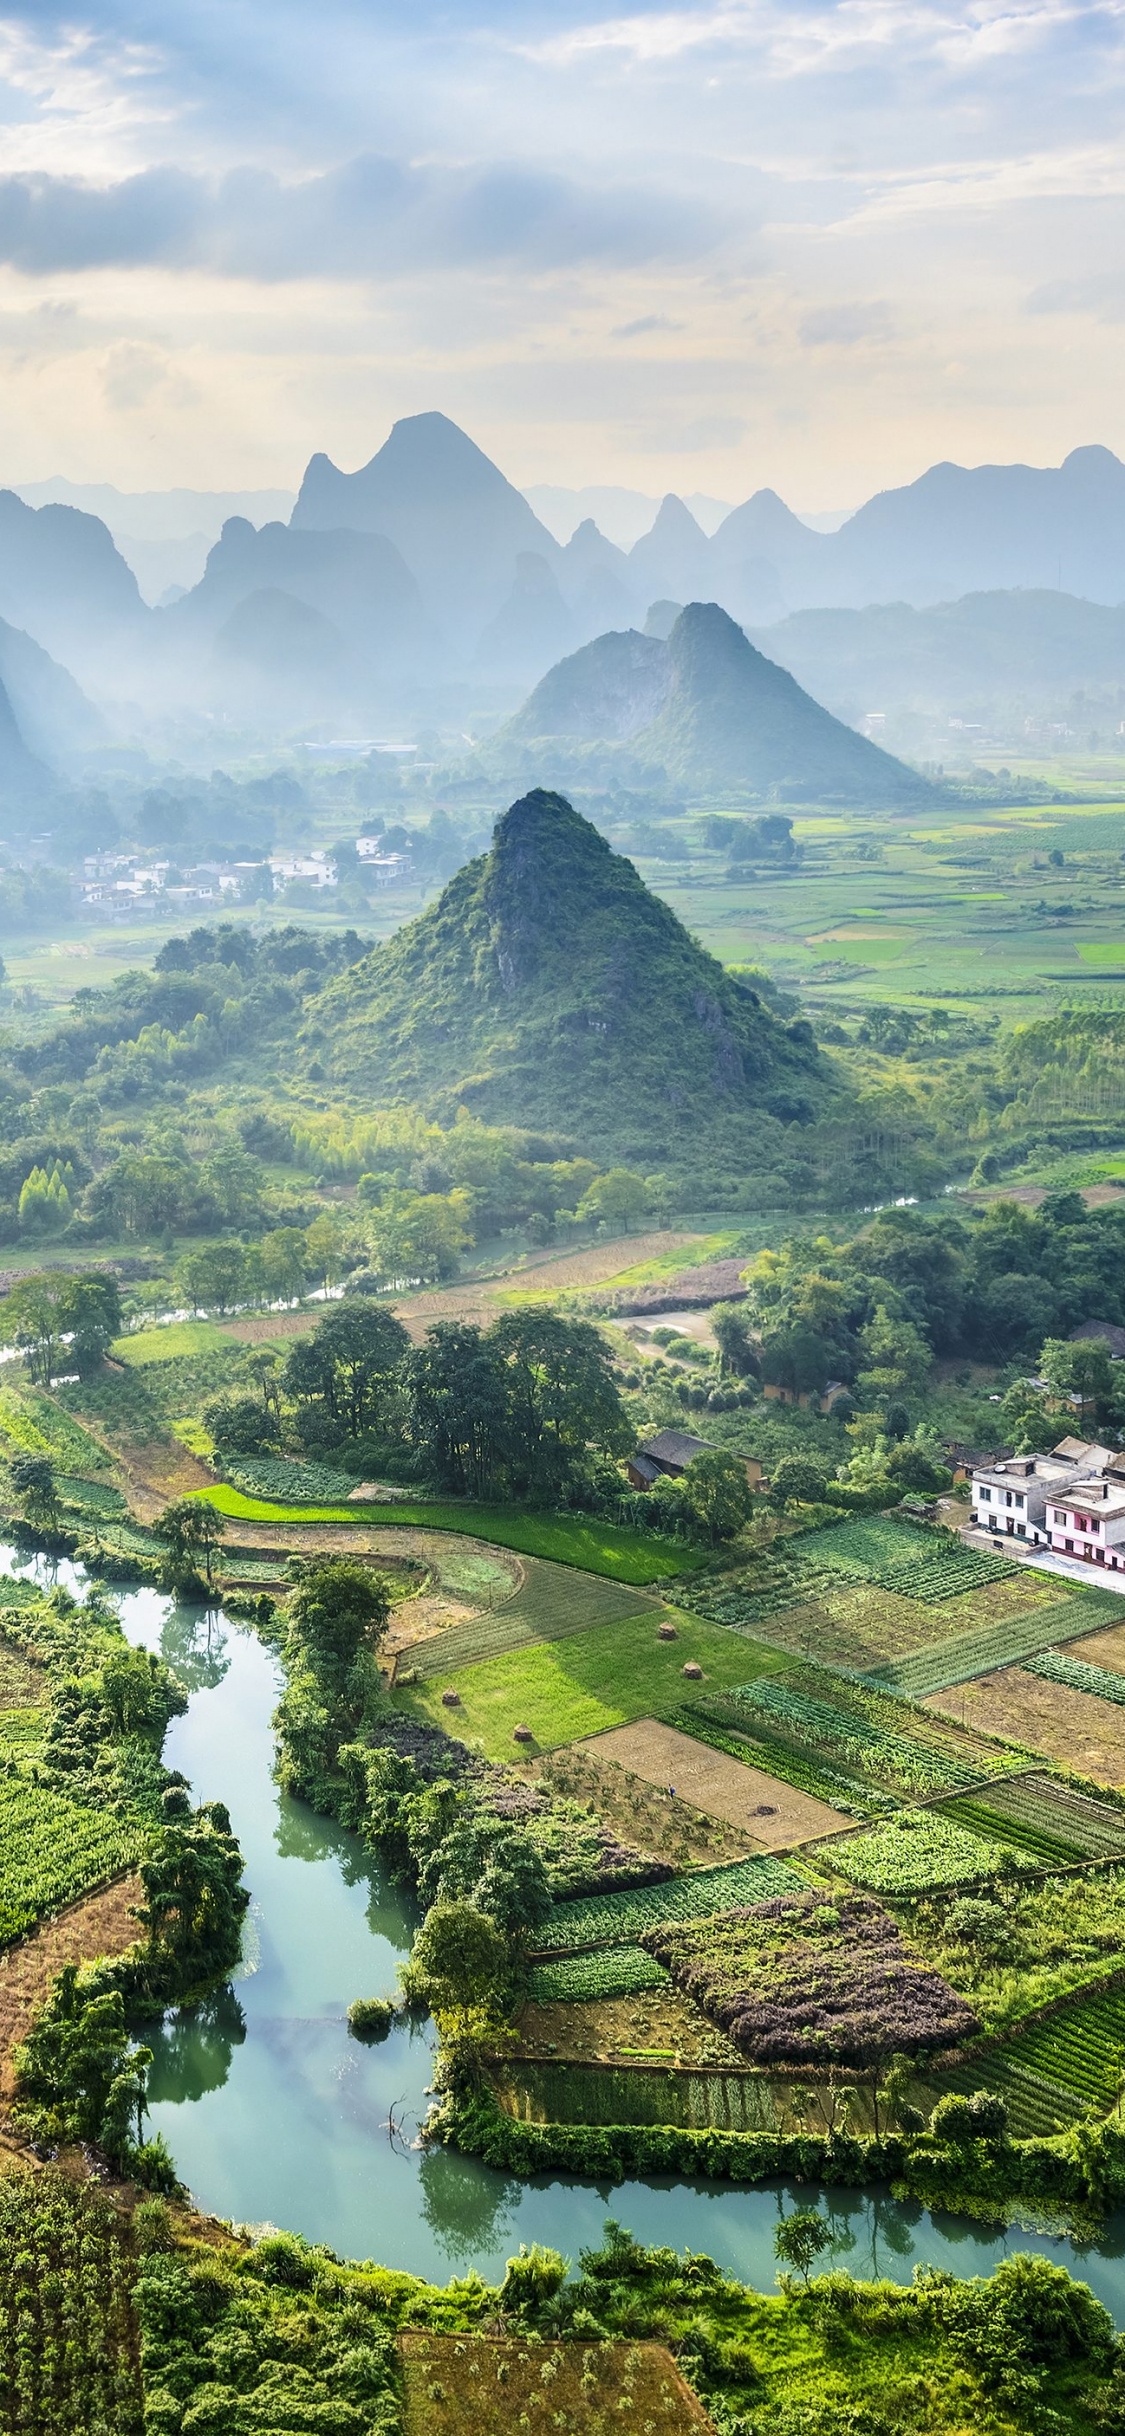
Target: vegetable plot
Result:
[616, 1970]
[866, 1731]
[916, 1850]
[70, 2358]
[1013, 1641]
[1078, 1676]
[621, 1919]
[925, 1565]
[52, 1850]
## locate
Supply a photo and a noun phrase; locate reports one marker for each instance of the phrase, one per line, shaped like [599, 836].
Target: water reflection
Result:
[470, 2217]
[191, 2051]
[193, 1642]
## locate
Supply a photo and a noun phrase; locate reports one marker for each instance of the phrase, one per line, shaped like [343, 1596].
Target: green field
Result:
[180, 1339]
[565, 1690]
[53, 1850]
[596, 1547]
[553, 1602]
[608, 1920]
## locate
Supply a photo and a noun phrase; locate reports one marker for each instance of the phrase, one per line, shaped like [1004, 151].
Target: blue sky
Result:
[702, 247]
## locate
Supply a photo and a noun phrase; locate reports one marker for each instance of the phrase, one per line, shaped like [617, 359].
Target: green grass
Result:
[567, 1539]
[565, 1690]
[171, 1344]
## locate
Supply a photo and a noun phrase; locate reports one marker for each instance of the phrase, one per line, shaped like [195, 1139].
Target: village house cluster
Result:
[1072, 1501]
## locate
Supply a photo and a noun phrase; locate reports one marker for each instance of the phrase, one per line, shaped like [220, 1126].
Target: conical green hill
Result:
[547, 987]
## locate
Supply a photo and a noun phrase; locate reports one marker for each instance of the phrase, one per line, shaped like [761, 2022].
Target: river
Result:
[275, 2115]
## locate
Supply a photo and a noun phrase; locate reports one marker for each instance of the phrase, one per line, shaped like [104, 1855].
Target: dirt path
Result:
[100, 1924]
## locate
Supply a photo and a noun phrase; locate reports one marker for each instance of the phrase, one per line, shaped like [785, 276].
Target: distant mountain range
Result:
[548, 987]
[426, 573]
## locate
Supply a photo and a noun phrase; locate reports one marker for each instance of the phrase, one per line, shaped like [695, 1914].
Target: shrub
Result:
[370, 2018]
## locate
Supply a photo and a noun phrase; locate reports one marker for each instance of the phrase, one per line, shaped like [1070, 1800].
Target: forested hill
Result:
[548, 986]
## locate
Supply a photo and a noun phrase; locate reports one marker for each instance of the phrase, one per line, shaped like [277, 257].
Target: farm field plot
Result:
[866, 1731]
[553, 1602]
[457, 2385]
[1104, 1648]
[51, 1851]
[1075, 1729]
[101, 1924]
[649, 2022]
[616, 1970]
[913, 1852]
[292, 1483]
[1096, 1829]
[1004, 1642]
[1058, 2069]
[802, 1980]
[636, 1812]
[1030, 1841]
[1078, 1675]
[564, 1691]
[621, 1919]
[773, 1814]
[921, 1564]
[756, 1748]
[170, 1344]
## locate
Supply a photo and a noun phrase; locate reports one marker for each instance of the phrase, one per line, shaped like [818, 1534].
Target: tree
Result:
[90, 1314]
[77, 2075]
[32, 1318]
[194, 1900]
[562, 1398]
[349, 1364]
[798, 1479]
[33, 1479]
[458, 1408]
[212, 1278]
[458, 1963]
[240, 1425]
[719, 1493]
[191, 1527]
[796, 1360]
[620, 1200]
[331, 1246]
[284, 1258]
[339, 1607]
[1081, 1367]
[897, 1358]
[419, 1236]
[140, 1694]
[801, 2239]
[1032, 1429]
[736, 1353]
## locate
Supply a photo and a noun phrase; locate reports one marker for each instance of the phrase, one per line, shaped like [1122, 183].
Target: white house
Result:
[1017, 1495]
[1089, 1521]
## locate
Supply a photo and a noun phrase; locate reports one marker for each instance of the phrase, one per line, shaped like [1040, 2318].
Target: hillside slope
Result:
[548, 986]
[708, 710]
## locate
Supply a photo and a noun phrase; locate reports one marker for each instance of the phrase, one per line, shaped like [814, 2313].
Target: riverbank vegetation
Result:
[122, 2323]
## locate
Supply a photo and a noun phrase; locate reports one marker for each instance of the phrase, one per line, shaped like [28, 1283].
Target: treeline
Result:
[876, 1311]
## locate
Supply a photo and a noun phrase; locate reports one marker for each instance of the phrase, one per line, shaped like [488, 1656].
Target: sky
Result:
[810, 244]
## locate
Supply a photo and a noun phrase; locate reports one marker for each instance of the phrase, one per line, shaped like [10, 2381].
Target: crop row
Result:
[1096, 1829]
[1031, 1842]
[51, 1851]
[1036, 2107]
[913, 1852]
[620, 1919]
[616, 1970]
[1080, 2048]
[1078, 1676]
[920, 1564]
[1012, 1641]
[869, 1732]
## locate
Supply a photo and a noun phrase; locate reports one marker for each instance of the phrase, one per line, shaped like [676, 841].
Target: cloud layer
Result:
[815, 243]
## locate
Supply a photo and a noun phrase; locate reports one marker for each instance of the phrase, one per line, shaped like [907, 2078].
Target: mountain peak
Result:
[549, 987]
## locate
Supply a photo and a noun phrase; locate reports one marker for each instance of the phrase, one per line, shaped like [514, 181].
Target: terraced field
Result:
[1007, 1642]
[553, 1602]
